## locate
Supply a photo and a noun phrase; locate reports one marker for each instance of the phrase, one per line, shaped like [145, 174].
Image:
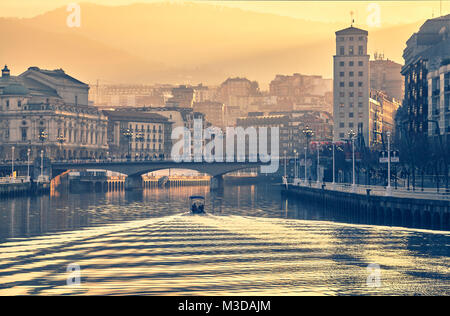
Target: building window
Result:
[361, 38]
[360, 50]
[342, 94]
[360, 84]
[76, 100]
[360, 104]
[352, 73]
[341, 135]
[341, 74]
[351, 104]
[342, 64]
[360, 63]
[342, 84]
[7, 104]
[350, 115]
[341, 125]
[24, 134]
[351, 94]
[351, 50]
[341, 50]
[350, 125]
[351, 38]
[351, 84]
[352, 63]
[360, 74]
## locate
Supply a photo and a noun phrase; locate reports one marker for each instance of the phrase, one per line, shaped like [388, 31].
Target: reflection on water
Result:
[253, 241]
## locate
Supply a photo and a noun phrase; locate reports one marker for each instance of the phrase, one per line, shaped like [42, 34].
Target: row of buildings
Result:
[365, 91]
[48, 110]
[369, 93]
[427, 82]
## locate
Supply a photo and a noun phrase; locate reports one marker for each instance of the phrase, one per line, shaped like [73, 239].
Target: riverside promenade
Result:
[418, 209]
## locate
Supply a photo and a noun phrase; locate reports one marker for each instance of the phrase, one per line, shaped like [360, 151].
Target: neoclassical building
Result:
[49, 110]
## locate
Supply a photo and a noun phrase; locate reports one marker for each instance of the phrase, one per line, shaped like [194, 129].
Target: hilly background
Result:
[180, 43]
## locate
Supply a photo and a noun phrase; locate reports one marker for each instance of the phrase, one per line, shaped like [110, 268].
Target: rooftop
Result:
[352, 30]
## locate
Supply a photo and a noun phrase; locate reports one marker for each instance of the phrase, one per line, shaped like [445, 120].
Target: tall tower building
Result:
[351, 84]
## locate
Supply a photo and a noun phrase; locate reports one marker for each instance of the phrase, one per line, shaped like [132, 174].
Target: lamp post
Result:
[389, 188]
[128, 134]
[42, 165]
[12, 162]
[140, 138]
[318, 163]
[351, 135]
[295, 165]
[306, 170]
[60, 139]
[308, 134]
[334, 165]
[28, 163]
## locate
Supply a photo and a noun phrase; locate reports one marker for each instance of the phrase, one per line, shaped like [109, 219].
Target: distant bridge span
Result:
[135, 169]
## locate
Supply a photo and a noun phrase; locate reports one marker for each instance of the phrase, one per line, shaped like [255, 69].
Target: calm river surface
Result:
[252, 242]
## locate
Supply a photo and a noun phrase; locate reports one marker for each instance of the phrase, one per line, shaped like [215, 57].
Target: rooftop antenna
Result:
[353, 20]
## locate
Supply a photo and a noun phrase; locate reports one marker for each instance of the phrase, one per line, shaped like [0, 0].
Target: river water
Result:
[253, 241]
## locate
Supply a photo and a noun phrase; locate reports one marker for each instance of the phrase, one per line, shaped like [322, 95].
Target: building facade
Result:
[382, 111]
[137, 134]
[48, 110]
[301, 92]
[214, 112]
[439, 101]
[385, 75]
[425, 53]
[351, 84]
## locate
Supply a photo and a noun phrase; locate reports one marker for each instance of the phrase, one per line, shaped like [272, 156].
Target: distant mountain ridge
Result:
[179, 43]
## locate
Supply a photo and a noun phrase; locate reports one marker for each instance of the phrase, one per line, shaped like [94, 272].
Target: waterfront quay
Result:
[371, 204]
[16, 186]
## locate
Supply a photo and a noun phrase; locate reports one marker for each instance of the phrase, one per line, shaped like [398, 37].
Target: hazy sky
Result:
[392, 12]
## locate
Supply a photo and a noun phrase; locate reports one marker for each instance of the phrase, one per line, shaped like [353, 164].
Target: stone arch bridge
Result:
[135, 169]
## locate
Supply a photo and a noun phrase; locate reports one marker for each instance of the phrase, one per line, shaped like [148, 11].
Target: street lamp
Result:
[285, 181]
[389, 188]
[128, 134]
[28, 163]
[308, 132]
[140, 137]
[42, 166]
[60, 139]
[351, 135]
[306, 170]
[318, 163]
[295, 165]
[12, 162]
[334, 164]
[43, 135]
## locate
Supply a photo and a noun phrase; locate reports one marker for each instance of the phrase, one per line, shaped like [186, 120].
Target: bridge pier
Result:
[216, 183]
[133, 183]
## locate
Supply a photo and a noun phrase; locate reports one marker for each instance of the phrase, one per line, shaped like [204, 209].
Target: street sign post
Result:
[395, 158]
